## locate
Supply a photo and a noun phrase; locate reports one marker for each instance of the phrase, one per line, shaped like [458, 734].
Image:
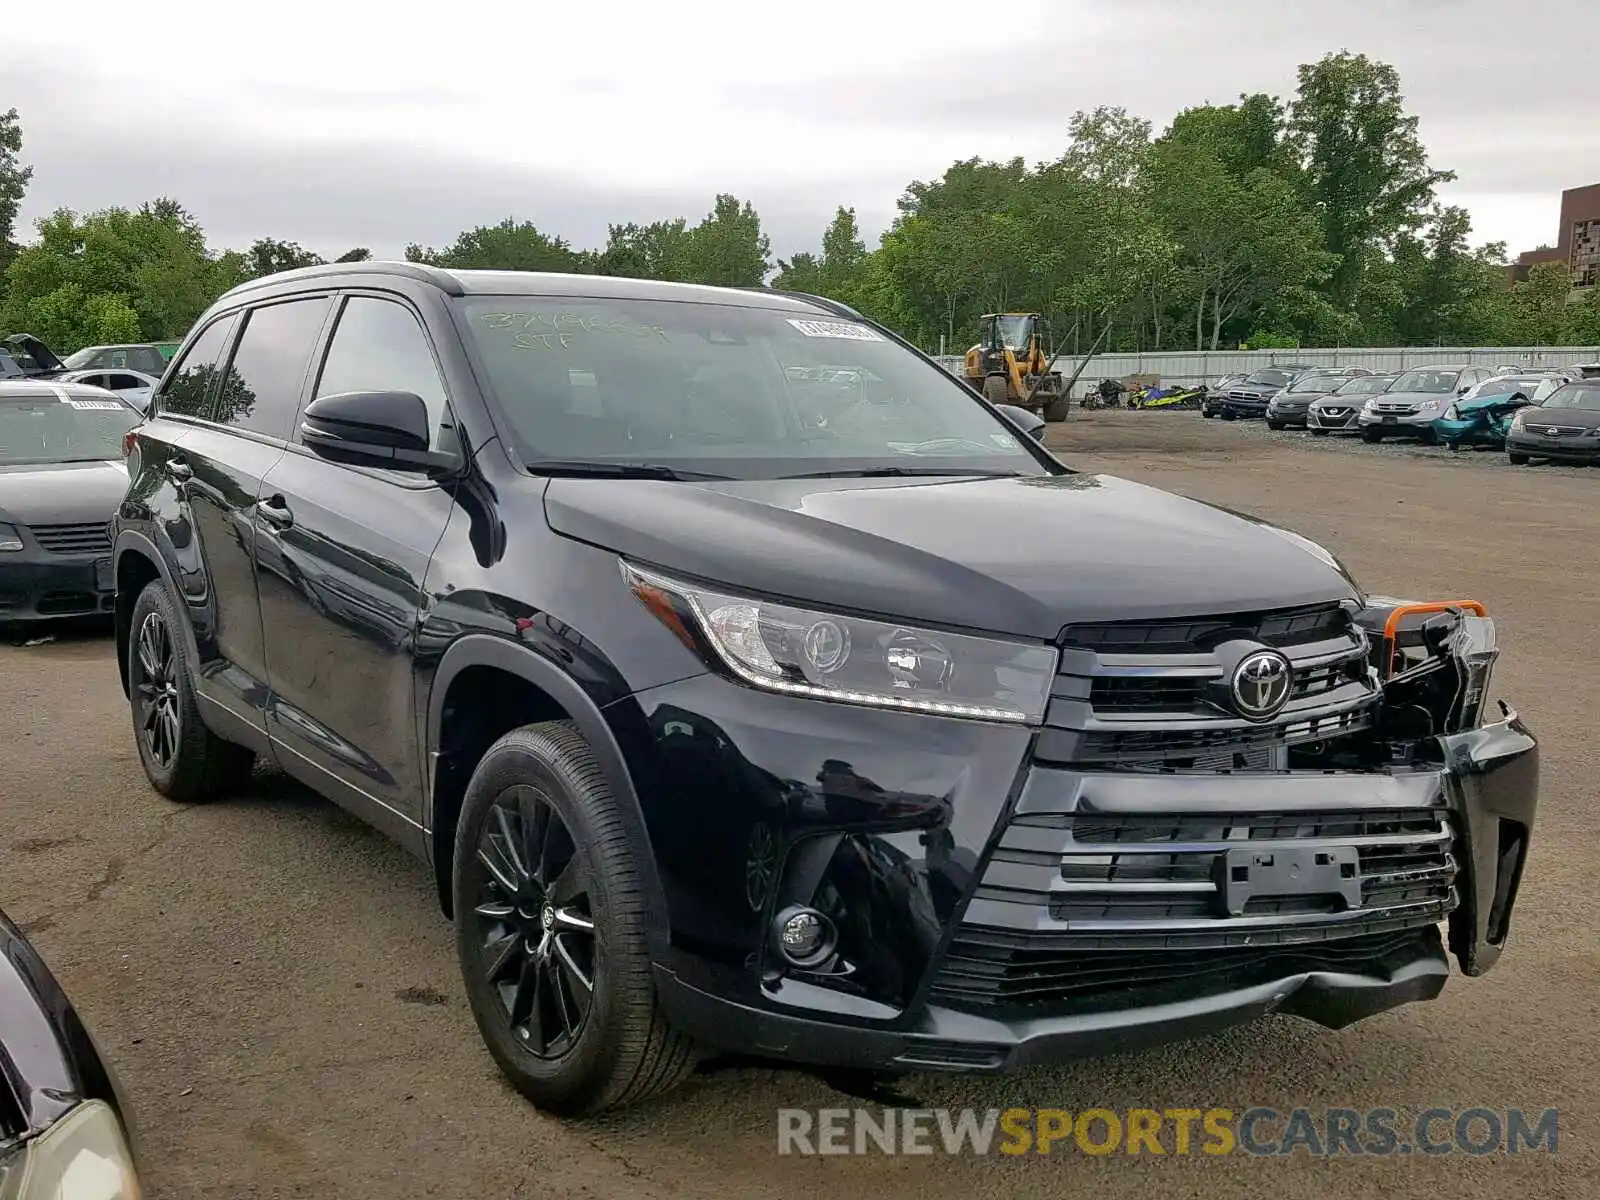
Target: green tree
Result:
[659, 250]
[151, 261]
[268, 256]
[511, 245]
[727, 248]
[359, 254]
[14, 179]
[1540, 306]
[1366, 170]
[802, 273]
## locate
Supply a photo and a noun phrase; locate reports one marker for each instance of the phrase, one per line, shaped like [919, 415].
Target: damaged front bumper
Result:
[1098, 906]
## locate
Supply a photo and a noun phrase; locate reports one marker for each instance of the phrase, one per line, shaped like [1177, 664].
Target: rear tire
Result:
[1515, 459]
[182, 758]
[538, 905]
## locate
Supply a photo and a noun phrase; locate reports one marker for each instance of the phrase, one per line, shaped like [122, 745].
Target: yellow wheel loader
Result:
[1011, 365]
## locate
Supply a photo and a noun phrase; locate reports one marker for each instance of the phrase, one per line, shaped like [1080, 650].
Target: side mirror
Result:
[373, 429]
[1031, 423]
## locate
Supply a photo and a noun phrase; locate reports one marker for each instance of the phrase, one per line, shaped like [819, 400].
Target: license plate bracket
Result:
[1246, 874]
[1391, 420]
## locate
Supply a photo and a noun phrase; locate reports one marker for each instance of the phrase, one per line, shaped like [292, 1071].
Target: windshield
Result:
[1508, 385]
[1576, 395]
[136, 358]
[726, 390]
[1426, 381]
[1015, 331]
[47, 429]
[1315, 383]
[1272, 378]
[1366, 385]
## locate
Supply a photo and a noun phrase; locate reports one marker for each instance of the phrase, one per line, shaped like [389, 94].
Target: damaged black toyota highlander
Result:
[752, 686]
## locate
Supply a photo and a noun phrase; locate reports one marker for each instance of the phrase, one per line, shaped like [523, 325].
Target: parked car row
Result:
[1531, 414]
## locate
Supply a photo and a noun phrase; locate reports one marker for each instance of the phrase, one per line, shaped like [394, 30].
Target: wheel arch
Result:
[548, 693]
[139, 563]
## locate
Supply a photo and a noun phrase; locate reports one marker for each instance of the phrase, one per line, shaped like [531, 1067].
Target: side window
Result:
[379, 346]
[261, 390]
[188, 391]
[121, 383]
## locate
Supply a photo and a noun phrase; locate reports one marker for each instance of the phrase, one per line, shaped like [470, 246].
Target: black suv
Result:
[753, 686]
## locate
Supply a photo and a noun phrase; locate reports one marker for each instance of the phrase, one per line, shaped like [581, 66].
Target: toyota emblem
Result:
[1261, 684]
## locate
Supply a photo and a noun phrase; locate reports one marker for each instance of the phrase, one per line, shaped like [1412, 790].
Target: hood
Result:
[1442, 398]
[1354, 400]
[24, 347]
[1298, 399]
[1022, 556]
[61, 493]
[1572, 418]
[1485, 402]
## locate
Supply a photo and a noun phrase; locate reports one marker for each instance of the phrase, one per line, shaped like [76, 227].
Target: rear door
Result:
[236, 436]
[343, 553]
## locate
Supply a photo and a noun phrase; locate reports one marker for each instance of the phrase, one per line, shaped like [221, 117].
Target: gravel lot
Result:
[278, 993]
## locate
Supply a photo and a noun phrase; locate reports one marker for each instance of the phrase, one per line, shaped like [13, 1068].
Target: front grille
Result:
[80, 537]
[1393, 407]
[1080, 907]
[1154, 694]
[997, 973]
[1113, 880]
[1557, 430]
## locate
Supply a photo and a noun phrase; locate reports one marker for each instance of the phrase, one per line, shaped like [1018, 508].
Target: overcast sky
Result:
[338, 124]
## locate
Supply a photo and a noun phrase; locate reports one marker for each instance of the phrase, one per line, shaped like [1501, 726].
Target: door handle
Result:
[179, 470]
[274, 511]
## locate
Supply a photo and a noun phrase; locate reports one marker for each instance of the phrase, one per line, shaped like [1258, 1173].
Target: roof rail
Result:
[420, 272]
[833, 306]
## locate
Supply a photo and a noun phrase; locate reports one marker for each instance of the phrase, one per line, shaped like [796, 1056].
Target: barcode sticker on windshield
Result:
[848, 330]
[96, 405]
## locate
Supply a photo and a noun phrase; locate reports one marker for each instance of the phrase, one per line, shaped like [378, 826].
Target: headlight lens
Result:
[83, 1156]
[10, 539]
[882, 664]
[1370, 405]
[1452, 413]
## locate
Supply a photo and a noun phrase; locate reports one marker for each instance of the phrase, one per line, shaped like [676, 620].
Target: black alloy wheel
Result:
[155, 691]
[553, 920]
[538, 943]
[182, 758]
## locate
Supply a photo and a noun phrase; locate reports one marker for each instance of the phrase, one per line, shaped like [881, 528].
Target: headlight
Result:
[1370, 406]
[10, 539]
[1452, 413]
[827, 656]
[83, 1156]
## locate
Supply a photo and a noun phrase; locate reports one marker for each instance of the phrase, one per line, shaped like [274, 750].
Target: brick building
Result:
[1578, 239]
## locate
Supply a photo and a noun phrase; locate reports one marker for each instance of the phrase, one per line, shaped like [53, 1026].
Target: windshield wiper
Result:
[888, 472]
[614, 470]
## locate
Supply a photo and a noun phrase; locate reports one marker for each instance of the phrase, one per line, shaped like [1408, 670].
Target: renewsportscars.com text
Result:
[1172, 1131]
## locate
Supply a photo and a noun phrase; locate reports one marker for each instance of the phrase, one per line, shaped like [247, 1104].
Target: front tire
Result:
[1319, 433]
[183, 759]
[995, 390]
[1275, 426]
[1371, 436]
[551, 919]
[1516, 460]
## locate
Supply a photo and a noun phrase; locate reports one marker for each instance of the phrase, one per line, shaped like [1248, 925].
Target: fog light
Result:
[805, 937]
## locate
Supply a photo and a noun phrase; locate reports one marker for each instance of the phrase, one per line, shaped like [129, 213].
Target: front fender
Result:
[491, 650]
[133, 542]
[1494, 790]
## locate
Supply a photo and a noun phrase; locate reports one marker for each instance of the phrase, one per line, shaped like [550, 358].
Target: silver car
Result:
[1337, 411]
[1416, 400]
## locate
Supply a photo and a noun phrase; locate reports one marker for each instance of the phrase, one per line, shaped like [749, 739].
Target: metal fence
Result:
[1207, 366]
